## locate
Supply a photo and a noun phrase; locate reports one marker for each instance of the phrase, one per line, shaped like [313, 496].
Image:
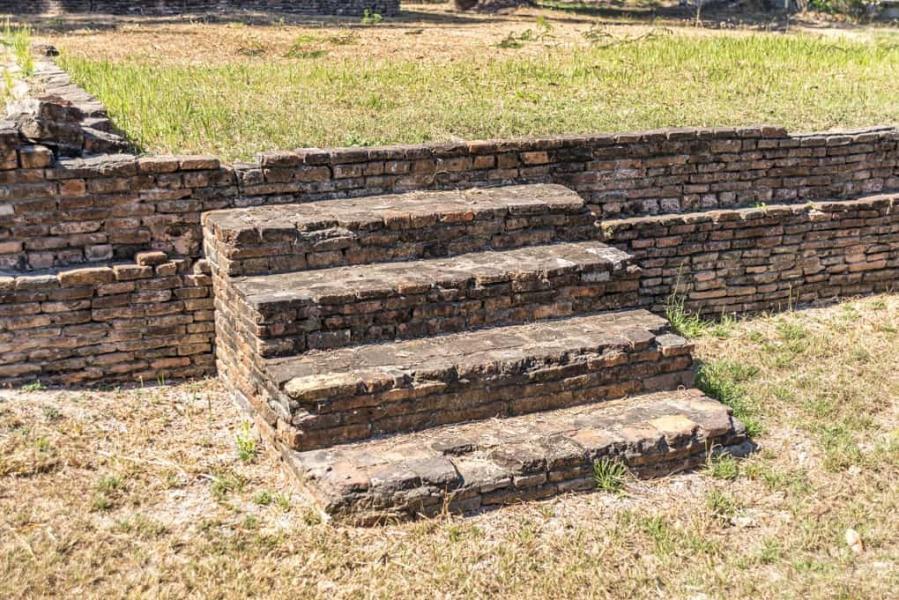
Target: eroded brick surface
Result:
[273, 239]
[765, 258]
[323, 398]
[290, 313]
[121, 322]
[493, 462]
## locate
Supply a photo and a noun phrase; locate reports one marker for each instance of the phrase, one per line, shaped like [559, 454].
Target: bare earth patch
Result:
[165, 491]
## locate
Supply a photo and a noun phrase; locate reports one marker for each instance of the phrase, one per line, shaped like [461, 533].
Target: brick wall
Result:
[72, 210]
[168, 7]
[59, 214]
[122, 322]
[768, 258]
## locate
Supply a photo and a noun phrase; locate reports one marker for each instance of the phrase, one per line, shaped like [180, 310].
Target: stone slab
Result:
[472, 466]
[293, 237]
[350, 394]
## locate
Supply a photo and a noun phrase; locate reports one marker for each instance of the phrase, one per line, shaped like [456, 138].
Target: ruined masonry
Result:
[429, 327]
[433, 351]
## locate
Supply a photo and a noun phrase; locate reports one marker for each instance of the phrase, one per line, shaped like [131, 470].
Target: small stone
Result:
[150, 259]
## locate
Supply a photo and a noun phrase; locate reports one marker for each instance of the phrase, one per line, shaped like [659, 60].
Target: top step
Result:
[427, 224]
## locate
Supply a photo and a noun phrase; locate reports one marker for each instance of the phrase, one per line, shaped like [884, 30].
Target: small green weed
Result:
[51, 413]
[225, 483]
[107, 489]
[34, 386]
[247, 442]
[721, 505]
[659, 530]
[609, 475]
[723, 466]
[370, 17]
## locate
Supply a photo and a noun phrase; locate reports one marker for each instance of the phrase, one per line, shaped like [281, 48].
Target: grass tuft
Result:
[723, 466]
[723, 380]
[609, 475]
[18, 38]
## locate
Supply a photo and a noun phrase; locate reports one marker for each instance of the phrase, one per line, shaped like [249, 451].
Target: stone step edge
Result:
[456, 478]
[464, 207]
[629, 338]
[605, 263]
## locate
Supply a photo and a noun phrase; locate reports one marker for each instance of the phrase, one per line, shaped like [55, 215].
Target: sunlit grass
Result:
[245, 105]
[18, 39]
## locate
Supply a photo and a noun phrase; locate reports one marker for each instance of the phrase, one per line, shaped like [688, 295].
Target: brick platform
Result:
[462, 468]
[332, 233]
[488, 319]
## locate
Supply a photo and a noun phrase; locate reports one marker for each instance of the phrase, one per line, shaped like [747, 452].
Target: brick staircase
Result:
[450, 350]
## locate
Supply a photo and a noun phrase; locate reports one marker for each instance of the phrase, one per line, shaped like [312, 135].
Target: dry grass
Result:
[147, 493]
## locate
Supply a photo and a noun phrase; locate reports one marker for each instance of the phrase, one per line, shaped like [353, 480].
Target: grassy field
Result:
[235, 89]
[164, 492]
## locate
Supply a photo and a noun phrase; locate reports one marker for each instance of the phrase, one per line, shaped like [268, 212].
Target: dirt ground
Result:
[423, 31]
[144, 492]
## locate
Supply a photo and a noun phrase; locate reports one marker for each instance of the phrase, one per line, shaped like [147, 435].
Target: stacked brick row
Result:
[617, 174]
[81, 210]
[315, 310]
[766, 258]
[176, 7]
[123, 322]
[280, 239]
[332, 400]
[73, 211]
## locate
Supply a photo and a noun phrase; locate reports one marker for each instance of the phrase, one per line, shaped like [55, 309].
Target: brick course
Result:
[85, 209]
[121, 322]
[766, 258]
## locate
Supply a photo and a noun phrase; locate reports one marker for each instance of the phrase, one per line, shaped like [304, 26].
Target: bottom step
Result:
[470, 466]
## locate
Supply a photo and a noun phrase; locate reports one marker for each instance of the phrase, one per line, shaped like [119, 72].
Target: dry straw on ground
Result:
[163, 491]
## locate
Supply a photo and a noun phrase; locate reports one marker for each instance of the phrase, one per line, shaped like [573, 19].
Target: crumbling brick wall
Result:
[766, 258]
[57, 212]
[75, 307]
[121, 322]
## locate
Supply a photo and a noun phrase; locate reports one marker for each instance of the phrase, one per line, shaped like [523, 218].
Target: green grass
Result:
[248, 105]
[18, 39]
[725, 380]
[609, 475]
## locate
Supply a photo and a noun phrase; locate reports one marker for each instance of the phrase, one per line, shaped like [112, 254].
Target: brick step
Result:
[325, 398]
[289, 313]
[474, 466]
[294, 237]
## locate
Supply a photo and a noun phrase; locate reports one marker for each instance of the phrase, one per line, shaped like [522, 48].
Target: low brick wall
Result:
[175, 7]
[68, 211]
[118, 323]
[767, 258]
